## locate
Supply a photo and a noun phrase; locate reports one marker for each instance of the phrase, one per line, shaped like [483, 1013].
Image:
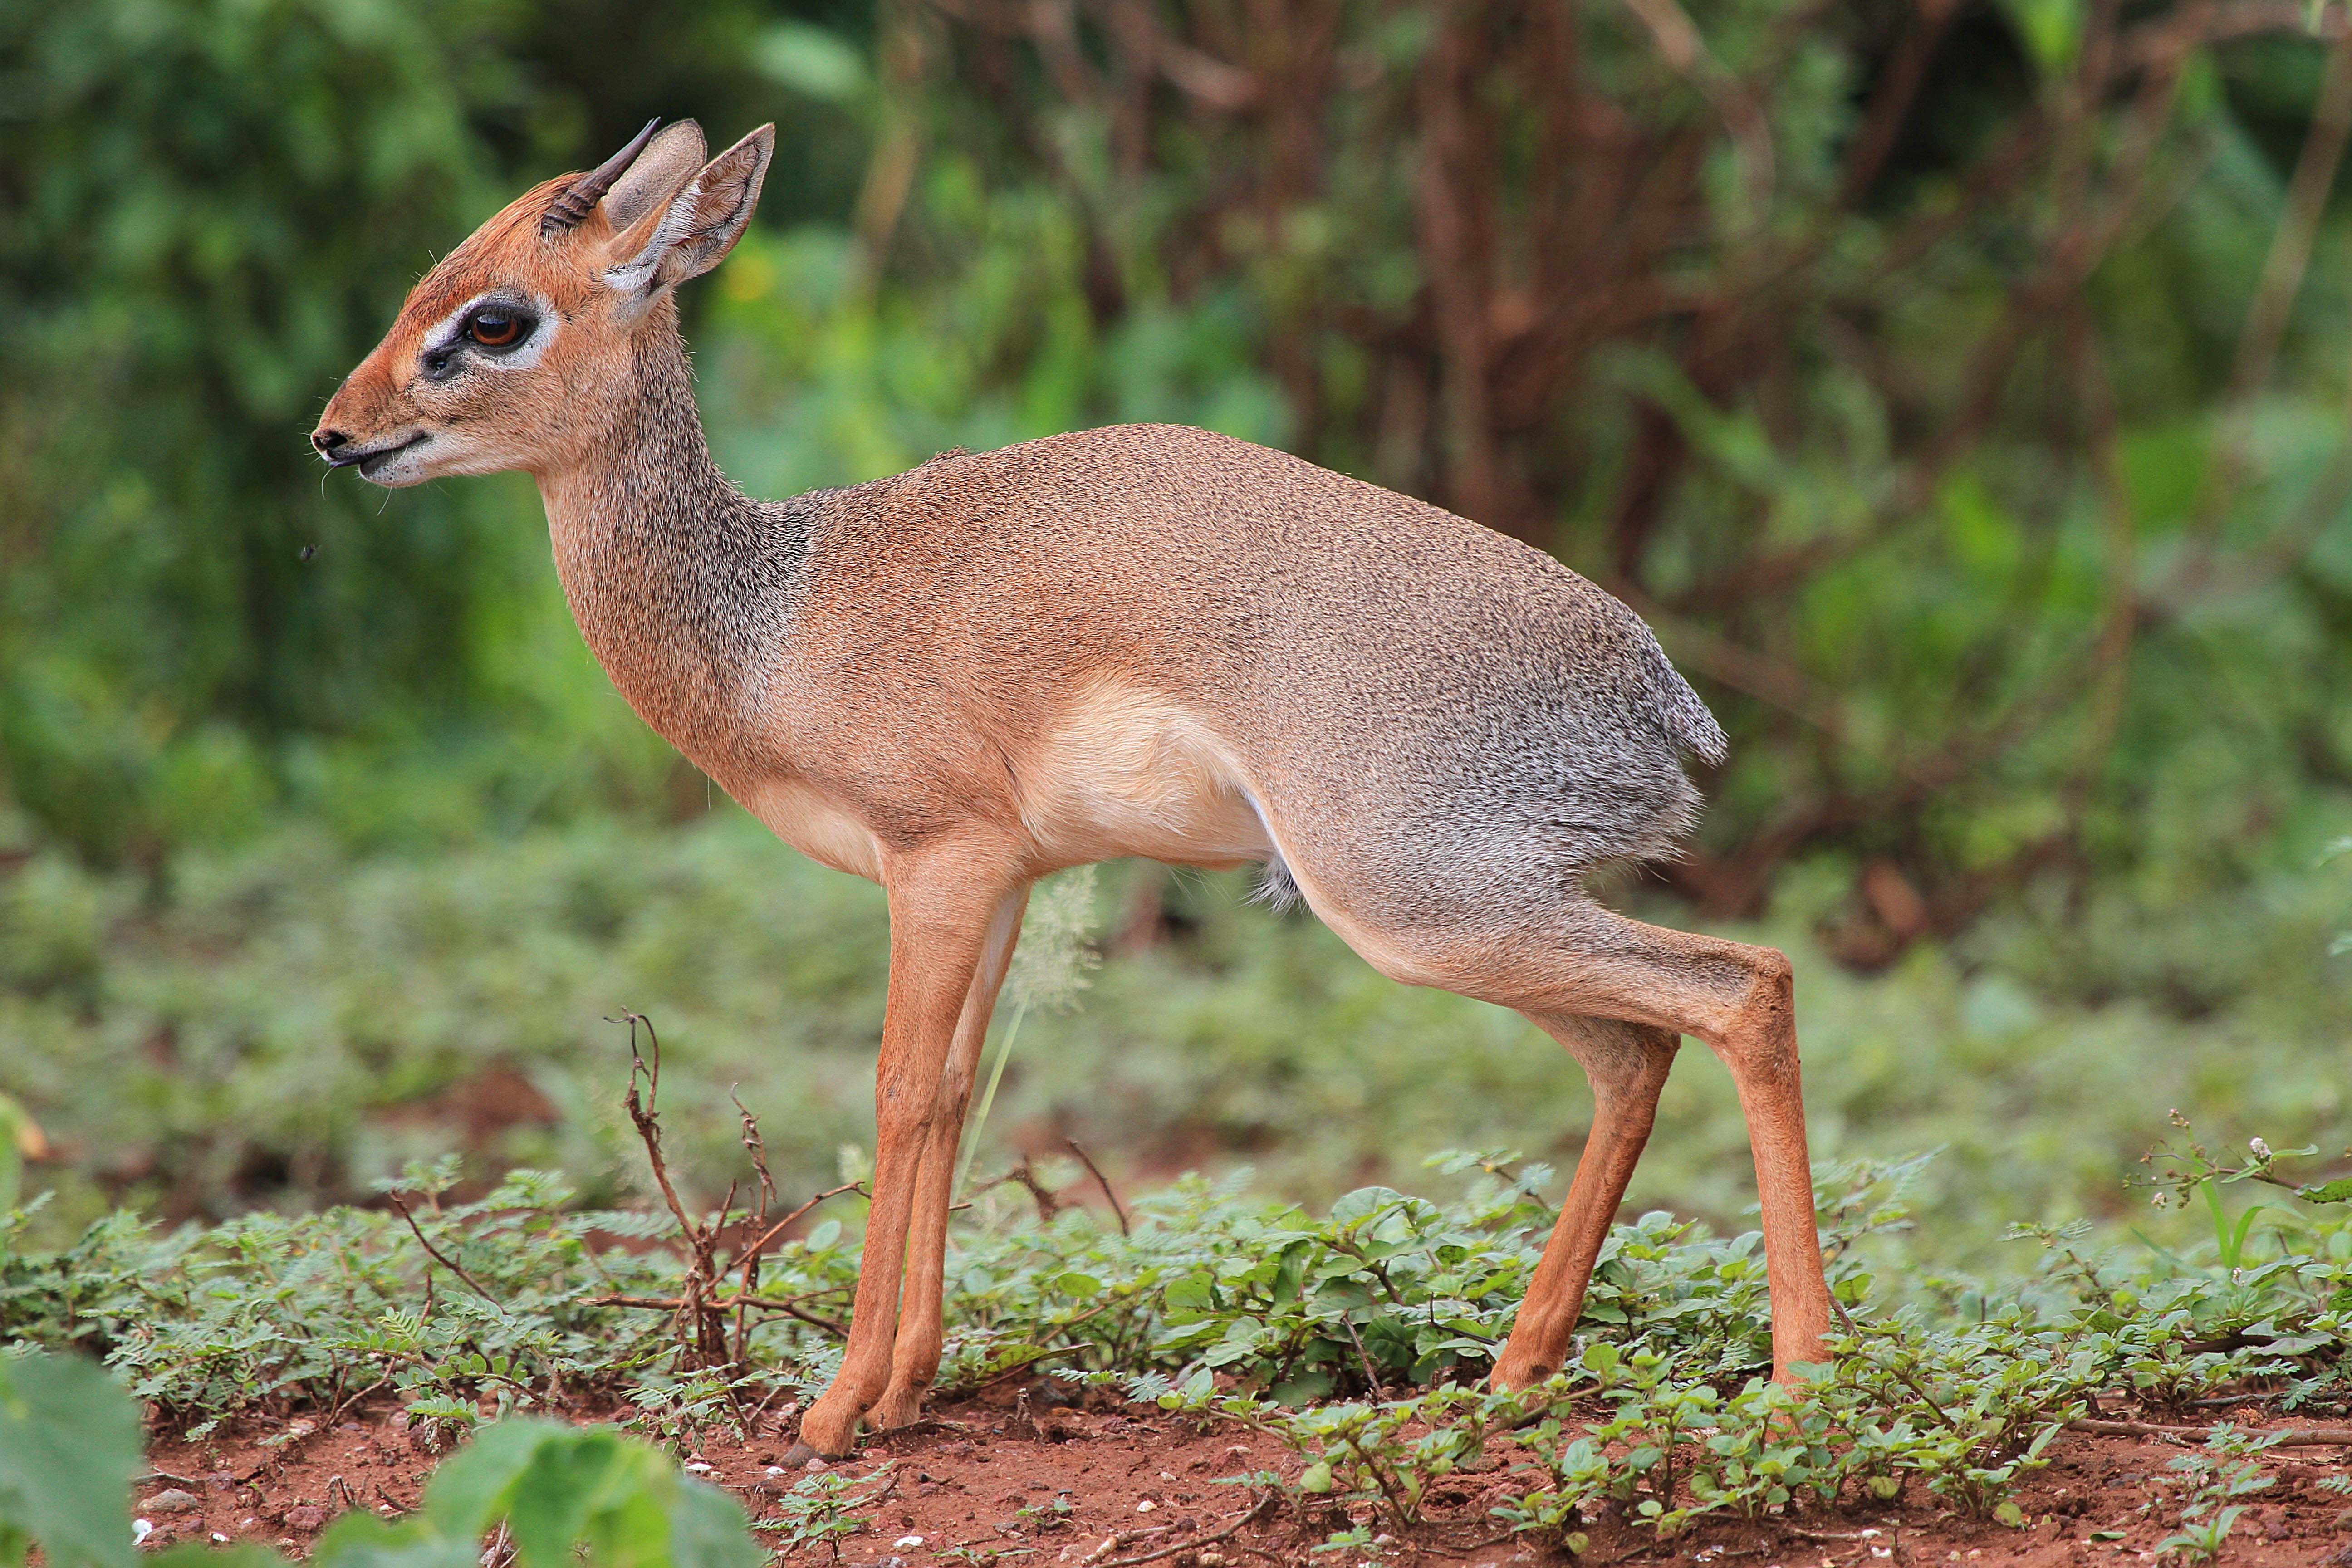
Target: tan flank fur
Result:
[1141, 640]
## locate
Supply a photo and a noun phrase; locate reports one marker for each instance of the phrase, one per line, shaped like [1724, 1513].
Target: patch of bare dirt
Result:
[1119, 1484]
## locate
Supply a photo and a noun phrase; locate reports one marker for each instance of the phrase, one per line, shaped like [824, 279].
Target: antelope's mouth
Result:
[368, 463]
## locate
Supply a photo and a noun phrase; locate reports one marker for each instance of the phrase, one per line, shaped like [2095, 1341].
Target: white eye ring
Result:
[451, 344]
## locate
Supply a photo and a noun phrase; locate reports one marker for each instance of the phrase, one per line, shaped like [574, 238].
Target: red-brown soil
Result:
[982, 1478]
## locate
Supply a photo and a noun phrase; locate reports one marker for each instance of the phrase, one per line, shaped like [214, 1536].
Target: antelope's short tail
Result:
[1684, 715]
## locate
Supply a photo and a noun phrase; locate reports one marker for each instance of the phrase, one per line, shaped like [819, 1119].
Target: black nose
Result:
[328, 440]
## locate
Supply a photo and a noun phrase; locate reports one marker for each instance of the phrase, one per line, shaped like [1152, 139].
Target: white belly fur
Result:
[1135, 773]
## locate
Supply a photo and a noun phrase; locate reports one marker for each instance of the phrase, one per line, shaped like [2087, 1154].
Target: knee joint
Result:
[1761, 1028]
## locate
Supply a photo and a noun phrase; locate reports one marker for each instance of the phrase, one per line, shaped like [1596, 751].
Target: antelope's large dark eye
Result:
[496, 327]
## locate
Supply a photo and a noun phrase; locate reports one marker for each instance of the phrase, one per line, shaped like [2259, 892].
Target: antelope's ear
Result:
[654, 175]
[679, 222]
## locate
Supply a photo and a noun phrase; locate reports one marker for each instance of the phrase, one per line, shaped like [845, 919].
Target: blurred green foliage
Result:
[1908, 366]
[207, 212]
[1920, 389]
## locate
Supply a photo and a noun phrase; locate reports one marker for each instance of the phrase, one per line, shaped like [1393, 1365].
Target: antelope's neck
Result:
[683, 586]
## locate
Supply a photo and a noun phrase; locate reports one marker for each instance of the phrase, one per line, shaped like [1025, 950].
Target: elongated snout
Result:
[368, 426]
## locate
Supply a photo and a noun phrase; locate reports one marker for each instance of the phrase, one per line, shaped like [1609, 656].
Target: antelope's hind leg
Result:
[1586, 963]
[914, 1355]
[1627, 1063]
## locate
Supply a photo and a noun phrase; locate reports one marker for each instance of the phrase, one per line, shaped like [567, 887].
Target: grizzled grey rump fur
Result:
[1476, 724]
[1442, 721]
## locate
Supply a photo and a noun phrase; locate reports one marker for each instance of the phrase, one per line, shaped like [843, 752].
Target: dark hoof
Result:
[800, 1455]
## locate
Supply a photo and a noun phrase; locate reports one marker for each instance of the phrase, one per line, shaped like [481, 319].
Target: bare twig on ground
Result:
[704, 1337]
[2293, 1437]
[1467, 1547]
[1190, 1543]
[1104, 1182]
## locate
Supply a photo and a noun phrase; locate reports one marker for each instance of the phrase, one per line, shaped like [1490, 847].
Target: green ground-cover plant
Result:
[1357, 1336]
[69, 1448]
[821, 1509]
[2225, 1471]
[1666, 1418]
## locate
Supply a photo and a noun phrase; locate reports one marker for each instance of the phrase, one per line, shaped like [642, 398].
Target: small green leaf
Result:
[469, 1493]
[69, 1447]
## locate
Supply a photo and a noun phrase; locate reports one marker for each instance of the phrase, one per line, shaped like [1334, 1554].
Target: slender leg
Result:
[915, 1358]
[1740, 1000]
[1588, 962]
[1627, 1063]
[1759, 1046]
[943, 900]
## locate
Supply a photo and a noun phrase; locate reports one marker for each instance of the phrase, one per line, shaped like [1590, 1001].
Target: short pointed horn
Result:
[579, 198]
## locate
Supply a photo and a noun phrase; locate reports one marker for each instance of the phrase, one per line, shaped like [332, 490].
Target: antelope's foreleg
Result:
[944, 900]
[915, 1357]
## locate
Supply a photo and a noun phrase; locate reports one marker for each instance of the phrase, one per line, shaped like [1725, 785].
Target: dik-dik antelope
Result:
[1142, 640]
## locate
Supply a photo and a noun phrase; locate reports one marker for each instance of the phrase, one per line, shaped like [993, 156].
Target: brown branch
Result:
[2293, 1437]
[1890, 106]
[2070, 255]
[756, 1147]
[1024, 1176]
[2194, 27]
[1371, 1378]
[789, 1307]
[336, 1413]
[769, 1234]
[2290, 253]
[2282, 281]
[1103, 1181]
[438, 1256]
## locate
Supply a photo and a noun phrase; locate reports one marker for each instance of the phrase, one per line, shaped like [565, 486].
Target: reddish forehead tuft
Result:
[508, 250]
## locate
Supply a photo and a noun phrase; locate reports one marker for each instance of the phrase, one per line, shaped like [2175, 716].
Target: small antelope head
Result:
[515, 351]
